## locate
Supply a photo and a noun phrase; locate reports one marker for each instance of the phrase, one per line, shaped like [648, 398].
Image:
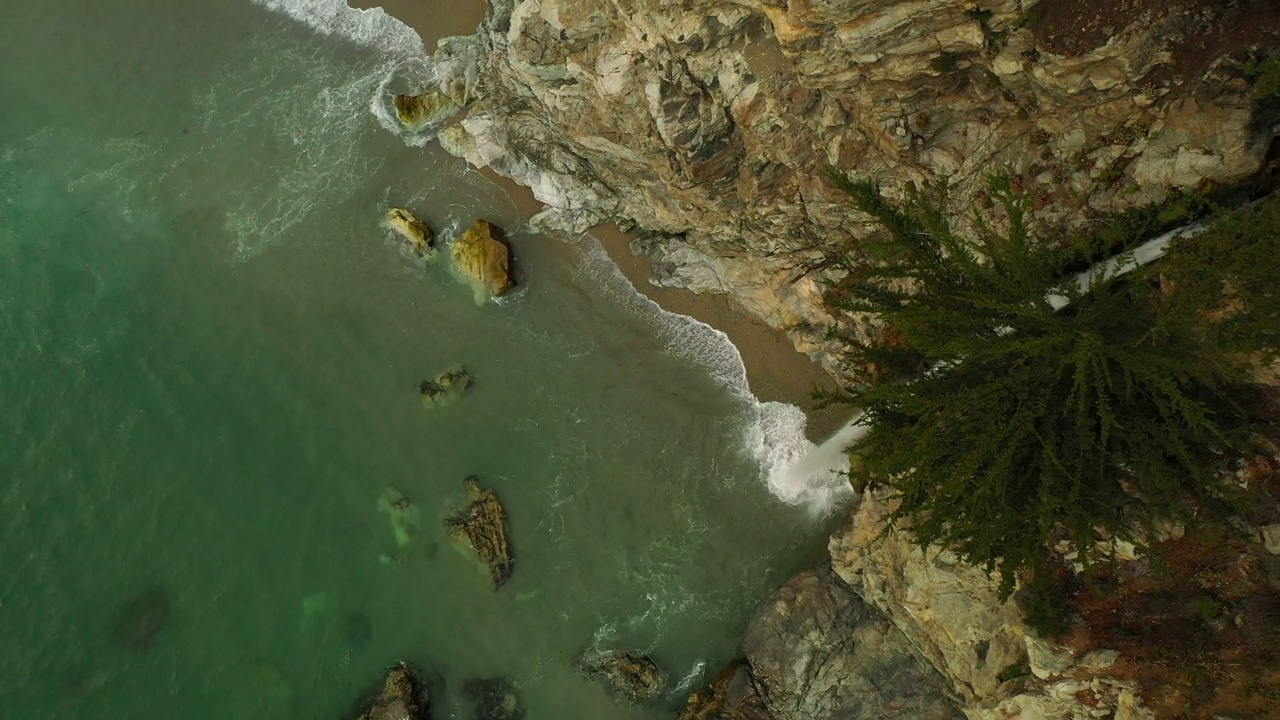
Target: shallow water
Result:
[209, 352]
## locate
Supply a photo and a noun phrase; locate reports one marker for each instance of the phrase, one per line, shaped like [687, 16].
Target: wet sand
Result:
[775, 370]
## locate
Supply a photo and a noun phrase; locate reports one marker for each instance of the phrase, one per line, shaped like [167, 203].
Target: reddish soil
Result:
[1200, 31]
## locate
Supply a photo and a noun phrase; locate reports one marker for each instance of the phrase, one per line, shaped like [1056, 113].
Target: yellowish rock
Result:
[419, 237]
[482, 257]
[430, 107]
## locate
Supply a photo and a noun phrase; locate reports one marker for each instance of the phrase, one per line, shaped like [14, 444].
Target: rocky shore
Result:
[708, 129]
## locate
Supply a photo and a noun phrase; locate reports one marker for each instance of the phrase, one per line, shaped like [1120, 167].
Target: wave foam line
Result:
[370, 28]
[774, 435]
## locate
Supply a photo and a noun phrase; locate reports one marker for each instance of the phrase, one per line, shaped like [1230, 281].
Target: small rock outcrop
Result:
[429, 108]
[444, 388]
[815, 650]
[482, 257]
[630, 675]
[417, 235]
[482, 528]
[403, 697]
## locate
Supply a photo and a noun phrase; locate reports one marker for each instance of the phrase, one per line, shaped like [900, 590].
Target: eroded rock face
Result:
[402, 698]
[815, 651]
[416, 234]
[951, 614]
[709, 124]
[482, 528]
[482, 257]
[630, 675]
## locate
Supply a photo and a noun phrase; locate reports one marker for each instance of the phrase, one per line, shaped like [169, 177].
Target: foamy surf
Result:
[775, 432]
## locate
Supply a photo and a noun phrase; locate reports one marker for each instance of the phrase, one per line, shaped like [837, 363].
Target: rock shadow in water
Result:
[136, 622]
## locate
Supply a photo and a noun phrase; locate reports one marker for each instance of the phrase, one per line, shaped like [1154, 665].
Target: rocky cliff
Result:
[708, 125]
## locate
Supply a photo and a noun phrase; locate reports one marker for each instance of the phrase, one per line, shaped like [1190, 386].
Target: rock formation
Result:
[482, 257]
[709, 125]
[402, 698]
[417, 235]
[429, 108]
[482, 528]
[444, 388]
[630, 675]
[951, 615]
[815, 650]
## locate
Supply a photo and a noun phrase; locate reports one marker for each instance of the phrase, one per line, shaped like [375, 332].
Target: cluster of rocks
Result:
[480, 254]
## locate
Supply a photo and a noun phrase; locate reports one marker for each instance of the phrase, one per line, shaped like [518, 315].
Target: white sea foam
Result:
[370, 28]
[774, 434]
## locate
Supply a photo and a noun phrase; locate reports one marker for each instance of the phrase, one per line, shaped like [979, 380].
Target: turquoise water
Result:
[209, 352]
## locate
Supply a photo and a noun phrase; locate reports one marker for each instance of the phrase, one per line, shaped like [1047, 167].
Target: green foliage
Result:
[1003, 424]
[1265, 75]
[1227, 284]
[946, 62]
[1207, 608]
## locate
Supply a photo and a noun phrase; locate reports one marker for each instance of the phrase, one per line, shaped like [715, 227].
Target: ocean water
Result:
[209, 353]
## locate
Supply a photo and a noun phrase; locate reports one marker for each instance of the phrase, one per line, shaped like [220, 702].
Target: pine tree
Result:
[1003, 425]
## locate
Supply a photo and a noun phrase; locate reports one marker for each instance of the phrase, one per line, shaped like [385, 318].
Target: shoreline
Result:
[776, 371]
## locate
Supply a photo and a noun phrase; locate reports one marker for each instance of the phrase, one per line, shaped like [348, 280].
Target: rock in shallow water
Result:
[482, 528]
[403, 697]
[417, 235]
[135, 623]
[445, 387]
[630, 675]
[482, 257]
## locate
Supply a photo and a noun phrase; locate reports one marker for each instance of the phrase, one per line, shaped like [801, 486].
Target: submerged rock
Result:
[135, 624]
[445, 387]
[404, 515]
[482, 257]
[429, 108]
[403, 697]
[417, 235]
[631, 675]
[482, 528]
[493, 698]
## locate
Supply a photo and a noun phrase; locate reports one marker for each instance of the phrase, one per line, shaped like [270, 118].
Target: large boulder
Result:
[482, 528]
[630, 675]
[817, 652]
[429, 108]
[402, 697]
[482, 257]
[444, 388]
[732, 695]
[416, 234]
